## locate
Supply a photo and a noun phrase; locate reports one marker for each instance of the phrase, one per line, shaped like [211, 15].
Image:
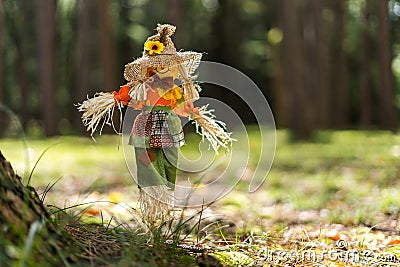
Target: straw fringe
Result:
[155, 204]
[190, 89]
[139, 91]
[97, 111]
[211, 129]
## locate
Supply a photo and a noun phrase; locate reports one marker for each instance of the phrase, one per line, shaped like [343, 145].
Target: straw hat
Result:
[160, 51]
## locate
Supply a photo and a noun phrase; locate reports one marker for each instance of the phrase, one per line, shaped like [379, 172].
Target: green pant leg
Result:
[150, 170]
[170, 165]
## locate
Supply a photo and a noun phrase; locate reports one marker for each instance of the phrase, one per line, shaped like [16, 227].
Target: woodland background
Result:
[322, 64]
[332, 64]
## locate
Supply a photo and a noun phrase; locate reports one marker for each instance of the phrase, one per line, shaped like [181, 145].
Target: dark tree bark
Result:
[293, 70]
[20, 41]
[227, 28]
[386, 92]
[339, 91]
[83, 71]
[20, 205]
[23, 214]
[279, 99]
[106, 43]
[17, 33]
[224, 50]
[314, 69]
[175, 17]
[2, 120]
[321, 79]
[46, 31]
[365, 76]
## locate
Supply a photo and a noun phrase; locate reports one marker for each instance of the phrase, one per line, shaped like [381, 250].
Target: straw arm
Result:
[97, 111]
[211, 129]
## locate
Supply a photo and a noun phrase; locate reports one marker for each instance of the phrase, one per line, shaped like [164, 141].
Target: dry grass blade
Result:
[37, 162]
[97, 243]
[48, 189]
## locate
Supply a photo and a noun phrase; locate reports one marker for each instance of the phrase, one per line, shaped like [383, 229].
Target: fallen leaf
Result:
[115, 197]
[394, 242]
[333, 235]
[92, 211]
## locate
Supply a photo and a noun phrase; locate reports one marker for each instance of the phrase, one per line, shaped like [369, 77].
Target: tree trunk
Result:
[323, 120]
[339, 92]
[46, 11]
[107, 50]
[20, 42]
[83, 71]
[387, 106]
[314, 77]
[175, 16]
[293, 70]
[25, 207]
[18, 36]
[227, 28]
[365, 80]
[25, 223]
[2, 120]
[279, 100]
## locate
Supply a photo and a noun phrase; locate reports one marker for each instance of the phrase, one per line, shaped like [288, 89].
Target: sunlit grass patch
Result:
[336, 166]
[76, 159]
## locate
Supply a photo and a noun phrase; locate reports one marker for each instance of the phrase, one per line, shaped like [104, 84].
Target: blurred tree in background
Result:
[321, 64]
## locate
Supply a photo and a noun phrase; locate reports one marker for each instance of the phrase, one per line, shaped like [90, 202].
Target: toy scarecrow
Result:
[161, 85]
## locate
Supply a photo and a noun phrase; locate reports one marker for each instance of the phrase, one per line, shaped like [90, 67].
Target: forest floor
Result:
[331, 201]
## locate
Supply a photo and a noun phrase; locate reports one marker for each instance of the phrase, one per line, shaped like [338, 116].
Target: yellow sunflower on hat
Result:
[153, 47]
[159, 51]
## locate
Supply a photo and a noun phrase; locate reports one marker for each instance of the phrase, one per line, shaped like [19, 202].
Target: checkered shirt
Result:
[158, 130]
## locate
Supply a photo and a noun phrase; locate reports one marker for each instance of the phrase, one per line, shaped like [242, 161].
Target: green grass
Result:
[70, 157]
[339, 177]
[350, 167]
